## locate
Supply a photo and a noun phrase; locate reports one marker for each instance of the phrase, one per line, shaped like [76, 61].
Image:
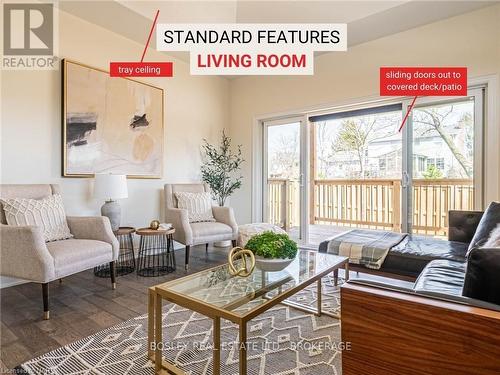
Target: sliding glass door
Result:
[283, 169]
[443, 161]
[356, 166]
[328, 173]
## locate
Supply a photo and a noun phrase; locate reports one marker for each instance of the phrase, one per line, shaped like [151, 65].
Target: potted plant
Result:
[273, 251]
[221, 171]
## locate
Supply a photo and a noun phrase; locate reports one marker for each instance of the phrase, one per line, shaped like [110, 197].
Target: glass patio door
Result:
[327, 173]
[356, 166]
[283, 188]
[443, 162]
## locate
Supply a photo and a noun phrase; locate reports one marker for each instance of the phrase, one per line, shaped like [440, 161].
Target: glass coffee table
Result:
[217, 294]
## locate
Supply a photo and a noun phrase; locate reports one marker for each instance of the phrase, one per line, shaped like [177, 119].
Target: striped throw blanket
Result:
[366, 247]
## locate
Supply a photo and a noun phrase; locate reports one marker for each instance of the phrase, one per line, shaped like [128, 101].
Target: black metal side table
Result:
[126, 259]
[156, 252]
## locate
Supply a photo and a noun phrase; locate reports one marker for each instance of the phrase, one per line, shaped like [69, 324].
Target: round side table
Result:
[156, 252]
[126, 259]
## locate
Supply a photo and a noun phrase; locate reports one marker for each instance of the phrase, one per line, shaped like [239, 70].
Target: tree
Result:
[432, 173]
[285, 155]
[435, 118]
[322, 149]
[354, 137]
[220, 167]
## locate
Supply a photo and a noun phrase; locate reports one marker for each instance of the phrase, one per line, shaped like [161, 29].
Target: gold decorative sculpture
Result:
[247, 262]
[155, 224]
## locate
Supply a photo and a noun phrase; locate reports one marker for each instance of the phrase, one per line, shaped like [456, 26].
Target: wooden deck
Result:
[318, 233]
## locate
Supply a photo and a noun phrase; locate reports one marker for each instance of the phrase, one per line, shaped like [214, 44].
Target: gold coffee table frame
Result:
[161, 292]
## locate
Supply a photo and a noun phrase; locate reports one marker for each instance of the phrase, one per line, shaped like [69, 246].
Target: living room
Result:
[352, 193]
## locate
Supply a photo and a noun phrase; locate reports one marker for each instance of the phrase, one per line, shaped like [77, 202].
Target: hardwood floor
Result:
[80, 306]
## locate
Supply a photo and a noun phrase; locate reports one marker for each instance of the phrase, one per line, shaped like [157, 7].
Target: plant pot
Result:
[272, 264]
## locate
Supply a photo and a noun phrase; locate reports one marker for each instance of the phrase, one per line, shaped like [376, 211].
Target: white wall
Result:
[195, 108]
[470, 40]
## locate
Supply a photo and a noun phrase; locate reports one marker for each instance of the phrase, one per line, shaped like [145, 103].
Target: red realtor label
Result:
[141, 69]
[423, 81]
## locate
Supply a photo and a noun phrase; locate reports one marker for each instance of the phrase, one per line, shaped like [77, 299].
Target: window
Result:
[358, 144]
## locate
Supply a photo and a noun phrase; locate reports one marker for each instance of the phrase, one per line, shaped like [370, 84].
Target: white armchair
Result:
[190, 234]
[26, 255]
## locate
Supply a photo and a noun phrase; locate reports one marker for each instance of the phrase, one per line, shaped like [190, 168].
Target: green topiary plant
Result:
[272, 245]
[221, 168]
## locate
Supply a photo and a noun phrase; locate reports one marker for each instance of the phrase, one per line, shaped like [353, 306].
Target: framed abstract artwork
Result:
[110, 124]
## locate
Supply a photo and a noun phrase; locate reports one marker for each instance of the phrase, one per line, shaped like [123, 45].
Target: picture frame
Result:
[110, 124]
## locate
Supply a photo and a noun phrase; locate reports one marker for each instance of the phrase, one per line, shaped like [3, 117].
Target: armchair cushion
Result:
[75, 255]
[442, 276]
[198, 205]
[94, 228]
[208, 232]
[46, 213]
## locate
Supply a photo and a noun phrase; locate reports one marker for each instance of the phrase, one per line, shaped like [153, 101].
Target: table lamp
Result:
[111, 187]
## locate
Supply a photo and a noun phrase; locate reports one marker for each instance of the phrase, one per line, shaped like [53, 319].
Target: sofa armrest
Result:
[225, 215]
[462, 225]
[390, 332]
[180, 221]
[24, 254]
[482, 278]
[394, 284]
[407, 287]
[94, 228]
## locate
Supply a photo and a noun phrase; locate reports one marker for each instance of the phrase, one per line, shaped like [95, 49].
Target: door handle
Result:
[405, 180]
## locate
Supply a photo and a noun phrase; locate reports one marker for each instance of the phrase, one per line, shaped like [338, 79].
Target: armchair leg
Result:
[45, 295]
[233, 242]
[187, 257]
[112, 271]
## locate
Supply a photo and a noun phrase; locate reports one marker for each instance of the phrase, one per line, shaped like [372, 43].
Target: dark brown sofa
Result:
[447, 322]
[408, 259]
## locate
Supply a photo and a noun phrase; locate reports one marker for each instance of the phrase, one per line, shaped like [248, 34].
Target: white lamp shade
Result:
[110, 186]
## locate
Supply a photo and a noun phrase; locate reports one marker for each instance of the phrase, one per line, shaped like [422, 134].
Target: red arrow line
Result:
[150, 33]
[408, 113]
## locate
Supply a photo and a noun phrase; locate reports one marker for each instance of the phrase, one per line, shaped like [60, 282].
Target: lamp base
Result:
[112, 210]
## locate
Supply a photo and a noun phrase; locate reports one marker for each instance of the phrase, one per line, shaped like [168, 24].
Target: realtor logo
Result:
[28, 29]
[28, 36]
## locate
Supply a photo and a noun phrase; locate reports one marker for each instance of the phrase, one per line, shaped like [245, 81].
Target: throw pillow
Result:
[47, 213]
[494, 240]
[198, 205]
[488, 222]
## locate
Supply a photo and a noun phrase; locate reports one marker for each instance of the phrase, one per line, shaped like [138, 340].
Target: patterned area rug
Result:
[282, 341]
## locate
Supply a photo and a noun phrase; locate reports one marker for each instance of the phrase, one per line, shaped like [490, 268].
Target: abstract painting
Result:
[110, 124]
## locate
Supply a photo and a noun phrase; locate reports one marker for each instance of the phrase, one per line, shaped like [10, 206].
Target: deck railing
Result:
[371, 203]
[283, 202]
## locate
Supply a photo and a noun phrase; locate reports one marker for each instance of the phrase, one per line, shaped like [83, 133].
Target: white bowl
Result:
[272, 264]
